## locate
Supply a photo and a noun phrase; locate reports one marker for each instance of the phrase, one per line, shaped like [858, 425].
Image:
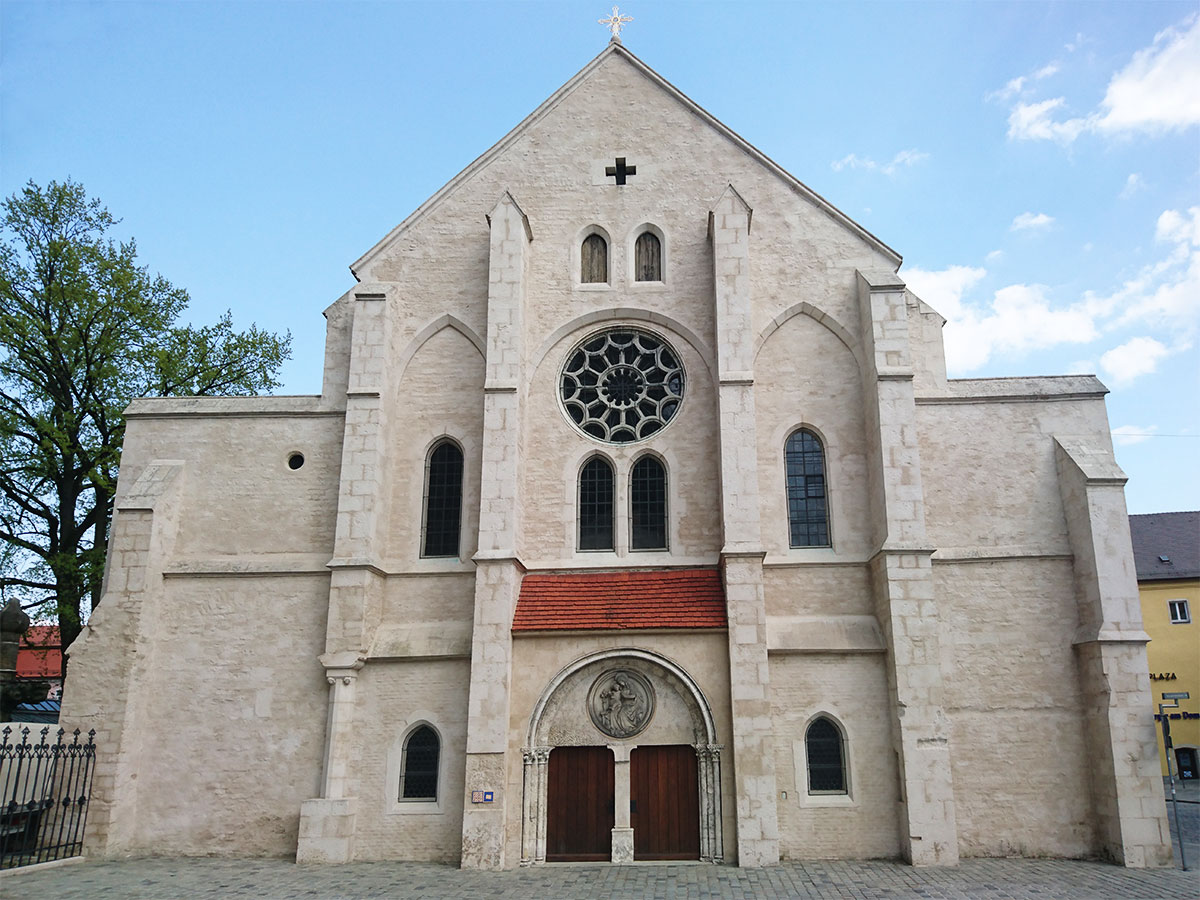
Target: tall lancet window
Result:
[808, 513]
[648, 505]
[596, 505]
[647, 257]
[593, 260]
[443, 500]
[419, 767]
[826, 758]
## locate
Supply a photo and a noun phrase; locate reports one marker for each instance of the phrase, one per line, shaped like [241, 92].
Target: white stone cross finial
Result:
[616, 22]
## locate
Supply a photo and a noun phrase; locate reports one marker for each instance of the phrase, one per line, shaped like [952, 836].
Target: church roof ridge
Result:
[616, 48]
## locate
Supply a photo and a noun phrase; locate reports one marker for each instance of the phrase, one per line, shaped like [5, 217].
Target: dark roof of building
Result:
[678, 598]
[1166, 545]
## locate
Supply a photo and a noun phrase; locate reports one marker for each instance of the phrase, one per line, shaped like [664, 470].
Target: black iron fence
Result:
[45, 786]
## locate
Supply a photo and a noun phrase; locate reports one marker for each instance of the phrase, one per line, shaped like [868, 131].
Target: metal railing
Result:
[44, 792]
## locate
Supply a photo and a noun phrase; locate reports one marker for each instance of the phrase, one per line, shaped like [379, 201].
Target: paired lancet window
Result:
[647, 257]
[443, 500]
[593, 260]
[824, 749]
[647, 505]
[596, 505]
[808, 508]
[419, 765]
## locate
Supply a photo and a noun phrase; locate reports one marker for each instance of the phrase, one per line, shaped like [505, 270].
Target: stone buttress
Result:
[902, 576]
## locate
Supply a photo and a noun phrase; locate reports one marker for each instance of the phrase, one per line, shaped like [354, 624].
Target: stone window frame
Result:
[612, 468]
[787, 512]
[393, 805]
[846, 799]
[631, 258]
[433, 447]
[576, 259]
[666, 470]
[1184, 616]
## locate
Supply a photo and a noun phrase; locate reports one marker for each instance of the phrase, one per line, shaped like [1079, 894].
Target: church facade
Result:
[636, 519]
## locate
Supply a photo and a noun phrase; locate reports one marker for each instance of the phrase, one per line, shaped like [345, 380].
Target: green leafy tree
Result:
[83, 331]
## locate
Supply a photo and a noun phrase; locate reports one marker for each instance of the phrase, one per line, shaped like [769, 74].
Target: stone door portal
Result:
[664, 804]
[579, 804]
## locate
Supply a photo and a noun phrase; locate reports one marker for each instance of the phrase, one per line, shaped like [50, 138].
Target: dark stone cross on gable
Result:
[620, 170]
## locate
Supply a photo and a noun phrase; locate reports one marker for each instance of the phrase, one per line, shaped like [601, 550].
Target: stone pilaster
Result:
[622, 832]
[327, 822]
[356, 581]
[107, 692]
[498, 570]
[742, 550]
[1111, 655]
[902, 577]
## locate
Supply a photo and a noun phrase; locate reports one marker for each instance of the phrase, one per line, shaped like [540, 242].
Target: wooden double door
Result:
[663, 803]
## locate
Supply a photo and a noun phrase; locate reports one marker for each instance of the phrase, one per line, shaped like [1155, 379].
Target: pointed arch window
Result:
[443, 500]
[419, 765]
[826, 758]
[808, 512]
[593, 260]
[648, 505]
[647, 257]
[596, 505]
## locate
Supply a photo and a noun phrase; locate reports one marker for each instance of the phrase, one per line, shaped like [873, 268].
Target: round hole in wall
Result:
[296, 460]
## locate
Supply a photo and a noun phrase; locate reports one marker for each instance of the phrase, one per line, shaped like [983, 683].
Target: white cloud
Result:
[903, 159]
[1164, 295]
[1134, 183]
[1028, 221]
[1133, 434]
[1016, 85]
[1136, 357]
[1032, 122]
[1159, 90]
[994, 256]
[1018, 319]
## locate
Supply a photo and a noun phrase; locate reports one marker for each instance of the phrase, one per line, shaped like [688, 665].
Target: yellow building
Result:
[1166, 551]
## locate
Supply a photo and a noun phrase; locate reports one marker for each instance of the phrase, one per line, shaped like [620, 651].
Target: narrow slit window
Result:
[593, 260]
[443, 501]
[596, 505]
[826, 758]
[808, 508]
[419, 766]
[648, 505]
[647, 257]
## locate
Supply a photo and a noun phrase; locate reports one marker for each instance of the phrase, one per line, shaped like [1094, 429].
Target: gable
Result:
[646, 88]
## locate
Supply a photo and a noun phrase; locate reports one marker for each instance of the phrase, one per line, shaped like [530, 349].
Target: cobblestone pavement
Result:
[979, 879]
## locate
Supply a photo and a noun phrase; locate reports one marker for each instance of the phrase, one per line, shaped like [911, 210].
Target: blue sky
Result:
[1037, 164]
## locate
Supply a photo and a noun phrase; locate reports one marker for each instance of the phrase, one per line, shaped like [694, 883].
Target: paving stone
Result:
[277, 879]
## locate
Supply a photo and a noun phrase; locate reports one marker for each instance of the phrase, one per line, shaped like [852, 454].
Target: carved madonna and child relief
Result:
[621, 703]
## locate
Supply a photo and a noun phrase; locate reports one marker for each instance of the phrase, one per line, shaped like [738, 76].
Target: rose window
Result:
[622, 385]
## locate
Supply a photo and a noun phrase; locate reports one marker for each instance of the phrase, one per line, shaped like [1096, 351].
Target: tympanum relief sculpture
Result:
[621, 703]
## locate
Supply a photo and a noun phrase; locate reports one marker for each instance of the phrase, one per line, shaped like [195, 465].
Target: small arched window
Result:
[419, 765]
[596, 505]
[647, 257]
[593, 260]
[808, 514]
[648, 505]
[826, 759]
[443, 501]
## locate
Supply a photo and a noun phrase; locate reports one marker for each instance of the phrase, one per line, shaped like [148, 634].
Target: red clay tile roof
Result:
[679, 598]
[40, 653]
